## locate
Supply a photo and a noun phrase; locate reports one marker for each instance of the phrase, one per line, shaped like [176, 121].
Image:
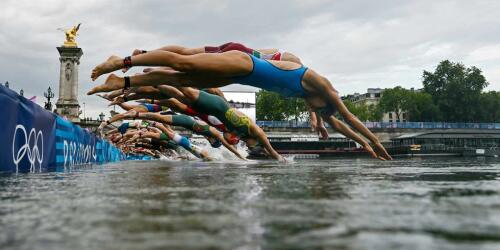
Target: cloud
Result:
[357, 44]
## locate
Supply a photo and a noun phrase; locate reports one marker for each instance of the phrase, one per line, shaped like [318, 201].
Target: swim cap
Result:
[231, 138]
[215, 143]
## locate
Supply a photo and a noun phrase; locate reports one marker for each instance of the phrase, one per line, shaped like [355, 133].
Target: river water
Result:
[411, 203]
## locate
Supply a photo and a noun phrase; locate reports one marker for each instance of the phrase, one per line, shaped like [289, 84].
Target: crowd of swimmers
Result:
[179, 89]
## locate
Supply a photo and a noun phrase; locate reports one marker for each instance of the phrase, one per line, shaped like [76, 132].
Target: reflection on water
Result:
[429, 203]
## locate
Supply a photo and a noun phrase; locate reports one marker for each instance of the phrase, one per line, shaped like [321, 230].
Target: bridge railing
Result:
[398, 125]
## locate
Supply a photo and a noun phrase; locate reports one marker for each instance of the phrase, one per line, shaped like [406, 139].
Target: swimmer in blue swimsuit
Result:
[220, 69]
[267, 54]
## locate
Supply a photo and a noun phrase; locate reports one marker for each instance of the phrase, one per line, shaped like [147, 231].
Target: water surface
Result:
[416, 203]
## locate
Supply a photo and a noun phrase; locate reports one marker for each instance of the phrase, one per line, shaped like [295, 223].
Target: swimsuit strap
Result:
[127, 83]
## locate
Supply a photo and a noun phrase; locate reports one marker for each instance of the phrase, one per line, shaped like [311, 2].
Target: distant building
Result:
[372, 97]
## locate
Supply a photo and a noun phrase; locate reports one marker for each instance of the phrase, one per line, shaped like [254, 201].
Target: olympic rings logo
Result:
[34, 151]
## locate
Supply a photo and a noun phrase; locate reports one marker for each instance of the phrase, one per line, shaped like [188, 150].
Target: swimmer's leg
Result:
[229, 64]
[132, 113]
[170, 48]
[161, 77]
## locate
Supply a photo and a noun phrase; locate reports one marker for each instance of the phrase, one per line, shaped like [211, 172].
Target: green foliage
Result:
[364, 112]
[421, 108]
[418, 106]
[489, 110]
[271, 106]
[456, 90]
[396, 100]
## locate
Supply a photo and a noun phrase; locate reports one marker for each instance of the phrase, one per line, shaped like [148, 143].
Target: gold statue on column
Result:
[71, 36]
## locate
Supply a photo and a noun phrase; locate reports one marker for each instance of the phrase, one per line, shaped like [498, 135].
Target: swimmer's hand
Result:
[323, 132]
[314, 127]
[371, 152]
[381, 152]
[208, 158]
[282, 159]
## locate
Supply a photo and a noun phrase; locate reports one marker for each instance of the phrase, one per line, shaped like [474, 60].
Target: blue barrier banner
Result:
[36, 140]
[28, 134]
[76, 146]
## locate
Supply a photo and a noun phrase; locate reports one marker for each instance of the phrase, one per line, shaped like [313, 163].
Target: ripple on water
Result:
[414, 203]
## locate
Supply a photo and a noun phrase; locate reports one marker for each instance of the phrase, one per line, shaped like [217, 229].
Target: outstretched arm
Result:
[122, 116]
[358, 125]
[345, 130]
[185, 143]
[226, 144]
[316, 122]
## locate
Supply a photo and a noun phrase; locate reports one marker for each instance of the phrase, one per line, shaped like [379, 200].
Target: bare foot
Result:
[113, 63]
[323, 132]
[113, 82]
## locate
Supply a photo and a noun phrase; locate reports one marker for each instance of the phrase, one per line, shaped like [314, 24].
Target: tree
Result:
[364, 112]
[397, 100]
[490, 107]
[295, 108]
[421, 108]
[271, 106]
[456, 90]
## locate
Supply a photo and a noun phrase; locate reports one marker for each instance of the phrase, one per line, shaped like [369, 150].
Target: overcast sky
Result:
[356, 44]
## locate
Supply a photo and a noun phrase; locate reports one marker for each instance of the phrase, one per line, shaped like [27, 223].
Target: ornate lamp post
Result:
[49, 94]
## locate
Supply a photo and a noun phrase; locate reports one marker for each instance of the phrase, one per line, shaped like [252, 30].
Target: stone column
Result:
[67, 104]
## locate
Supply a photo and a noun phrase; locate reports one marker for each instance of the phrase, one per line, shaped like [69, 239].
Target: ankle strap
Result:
[127, 62]
[127, 82]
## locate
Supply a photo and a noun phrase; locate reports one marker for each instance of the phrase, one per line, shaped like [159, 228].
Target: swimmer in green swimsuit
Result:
[235, 121]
